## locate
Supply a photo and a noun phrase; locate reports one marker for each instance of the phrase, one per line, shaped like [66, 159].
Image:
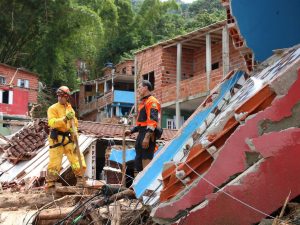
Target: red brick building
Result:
[18, 91]
[109, 96]
[184, 69]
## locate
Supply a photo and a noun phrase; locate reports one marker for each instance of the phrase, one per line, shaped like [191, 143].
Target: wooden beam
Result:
[56, 213]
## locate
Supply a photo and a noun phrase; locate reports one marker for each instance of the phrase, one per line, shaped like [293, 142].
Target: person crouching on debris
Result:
[60, 116]
[146, 125]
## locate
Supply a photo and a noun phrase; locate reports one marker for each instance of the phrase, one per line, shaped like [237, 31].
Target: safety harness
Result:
[53, 135]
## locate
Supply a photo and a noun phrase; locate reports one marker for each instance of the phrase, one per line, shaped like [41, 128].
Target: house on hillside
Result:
[109, 96]
[18, 93]
[184, 70]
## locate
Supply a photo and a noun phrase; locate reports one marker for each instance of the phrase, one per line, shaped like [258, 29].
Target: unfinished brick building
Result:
[109, 96]
[184, 69]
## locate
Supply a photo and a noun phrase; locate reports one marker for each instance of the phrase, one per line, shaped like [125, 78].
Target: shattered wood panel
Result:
[280, 77]
[149, 178]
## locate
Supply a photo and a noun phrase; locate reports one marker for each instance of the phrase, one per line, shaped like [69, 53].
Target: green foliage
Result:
[47, 37]
[204, 19]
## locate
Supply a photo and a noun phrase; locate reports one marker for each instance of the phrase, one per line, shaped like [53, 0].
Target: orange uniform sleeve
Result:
[153, 113]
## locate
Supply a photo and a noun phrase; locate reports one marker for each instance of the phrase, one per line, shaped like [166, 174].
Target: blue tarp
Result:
[116, 155]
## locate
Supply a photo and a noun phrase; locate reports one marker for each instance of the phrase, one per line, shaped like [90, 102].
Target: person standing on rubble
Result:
[146, 126]
[60, 116]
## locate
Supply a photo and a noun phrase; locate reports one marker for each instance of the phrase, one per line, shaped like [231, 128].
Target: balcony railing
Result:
[191, 87]
[107, 99]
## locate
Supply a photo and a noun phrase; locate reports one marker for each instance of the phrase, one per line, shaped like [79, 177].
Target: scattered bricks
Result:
[13, 160]
[6, 147]
[22, 144]
[28, 142]
[14, 152]
[39, 143]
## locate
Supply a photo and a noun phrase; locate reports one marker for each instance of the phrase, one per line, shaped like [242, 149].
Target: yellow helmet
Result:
[64, 91]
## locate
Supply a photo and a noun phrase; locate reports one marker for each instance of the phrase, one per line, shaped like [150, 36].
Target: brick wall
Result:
[90, 116]
[125, 68]
[148, 61]
[120, 68]
[163, 63]
[8, 72]
[169, 59]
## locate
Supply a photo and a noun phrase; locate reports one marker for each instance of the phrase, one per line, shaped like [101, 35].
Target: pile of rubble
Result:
[71, 205]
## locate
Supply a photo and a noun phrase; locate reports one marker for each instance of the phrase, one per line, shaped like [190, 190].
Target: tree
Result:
[48, 36]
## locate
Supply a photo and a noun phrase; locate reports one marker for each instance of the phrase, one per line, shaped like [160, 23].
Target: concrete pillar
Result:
[208, 61]
[225, 50]
[178, 79]
[118, 111]
[112, 79]
[112, 111]
[105, 86]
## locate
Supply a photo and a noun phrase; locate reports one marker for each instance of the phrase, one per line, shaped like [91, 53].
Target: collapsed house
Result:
[24, 159]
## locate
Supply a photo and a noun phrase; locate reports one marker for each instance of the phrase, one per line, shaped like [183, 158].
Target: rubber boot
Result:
[50, 187]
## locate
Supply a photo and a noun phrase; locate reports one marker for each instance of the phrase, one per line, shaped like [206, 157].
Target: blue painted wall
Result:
[268, 24]
[124, 96]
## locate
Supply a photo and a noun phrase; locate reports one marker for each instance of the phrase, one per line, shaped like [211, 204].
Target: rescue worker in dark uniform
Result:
[147, 121]
[60, 115]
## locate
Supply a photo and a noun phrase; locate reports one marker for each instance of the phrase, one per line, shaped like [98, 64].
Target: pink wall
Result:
[20, 103]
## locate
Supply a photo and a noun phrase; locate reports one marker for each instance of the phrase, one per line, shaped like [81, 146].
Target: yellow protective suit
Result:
[56, 115]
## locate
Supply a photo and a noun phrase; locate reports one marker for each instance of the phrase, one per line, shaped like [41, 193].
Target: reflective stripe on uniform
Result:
[51, 122]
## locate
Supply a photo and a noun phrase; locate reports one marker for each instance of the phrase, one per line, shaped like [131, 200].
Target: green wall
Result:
[170, 113]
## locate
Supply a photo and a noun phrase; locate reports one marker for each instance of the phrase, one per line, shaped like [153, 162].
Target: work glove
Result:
[145, 143]
[70, 115]
[75, 130]
[127, 132]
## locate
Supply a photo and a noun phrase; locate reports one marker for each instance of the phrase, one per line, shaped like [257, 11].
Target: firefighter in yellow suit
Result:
[60, 115]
